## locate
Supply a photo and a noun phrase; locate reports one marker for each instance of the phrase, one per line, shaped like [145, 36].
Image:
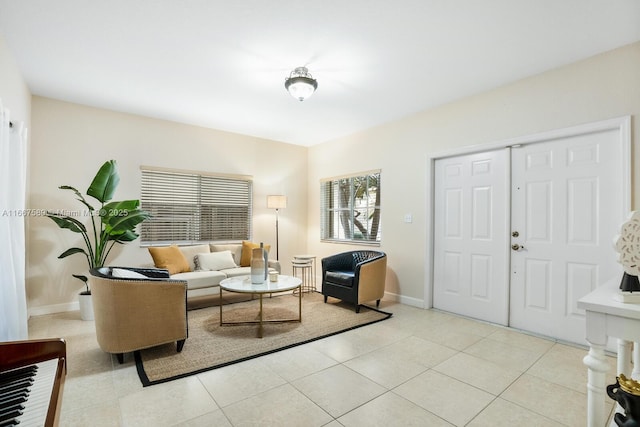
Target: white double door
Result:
[521, 233]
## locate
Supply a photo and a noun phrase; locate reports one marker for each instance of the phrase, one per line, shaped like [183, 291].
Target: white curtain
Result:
[13, 181]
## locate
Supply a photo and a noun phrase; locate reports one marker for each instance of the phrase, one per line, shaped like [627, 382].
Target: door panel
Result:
[470, 239]
[537, 285]
[566, 203]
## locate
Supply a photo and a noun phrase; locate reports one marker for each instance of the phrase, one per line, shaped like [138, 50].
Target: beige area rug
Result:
[212, 346]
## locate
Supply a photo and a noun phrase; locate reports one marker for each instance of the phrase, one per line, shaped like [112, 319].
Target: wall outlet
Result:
[408, 218]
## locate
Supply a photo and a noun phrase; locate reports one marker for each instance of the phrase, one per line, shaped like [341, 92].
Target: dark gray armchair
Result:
[355, 277]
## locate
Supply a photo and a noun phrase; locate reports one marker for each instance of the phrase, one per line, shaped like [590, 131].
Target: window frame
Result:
[206, 209]
[331, 229]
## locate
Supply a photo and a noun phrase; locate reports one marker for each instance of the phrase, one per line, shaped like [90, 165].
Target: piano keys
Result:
[32, 377]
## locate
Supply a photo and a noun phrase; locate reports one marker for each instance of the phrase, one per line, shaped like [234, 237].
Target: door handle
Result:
[516, 247]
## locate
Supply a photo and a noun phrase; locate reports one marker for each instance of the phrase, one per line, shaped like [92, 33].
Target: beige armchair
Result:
[355, 277]
[137, 308]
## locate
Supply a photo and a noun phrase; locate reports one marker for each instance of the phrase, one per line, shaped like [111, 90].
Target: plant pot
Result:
[86, 306]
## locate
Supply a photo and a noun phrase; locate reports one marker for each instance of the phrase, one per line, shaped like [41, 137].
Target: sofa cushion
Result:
[170, 258]
[344, 278]
[215, 261]
[234, 248]
[237, 271]
[200, 279]
[190, 253]
[247, 248]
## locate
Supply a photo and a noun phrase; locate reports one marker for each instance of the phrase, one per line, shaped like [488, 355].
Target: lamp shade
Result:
[276, 202]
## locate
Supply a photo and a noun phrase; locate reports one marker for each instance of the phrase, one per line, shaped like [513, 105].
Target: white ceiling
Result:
[222, 64]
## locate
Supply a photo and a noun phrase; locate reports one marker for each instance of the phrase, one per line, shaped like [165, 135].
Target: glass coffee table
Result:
[243, 285]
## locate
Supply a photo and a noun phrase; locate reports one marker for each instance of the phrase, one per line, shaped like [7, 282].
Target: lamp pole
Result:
[277, 253]
[277, 202]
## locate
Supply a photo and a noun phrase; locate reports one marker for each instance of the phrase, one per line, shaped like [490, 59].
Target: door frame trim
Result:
[621, 124]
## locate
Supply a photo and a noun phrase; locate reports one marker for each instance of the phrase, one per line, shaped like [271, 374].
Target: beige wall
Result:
[70, 142]
[602, 87]
[14, 92]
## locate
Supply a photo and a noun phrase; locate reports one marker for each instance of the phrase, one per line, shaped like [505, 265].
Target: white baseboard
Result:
[54, 308]
[414, 302]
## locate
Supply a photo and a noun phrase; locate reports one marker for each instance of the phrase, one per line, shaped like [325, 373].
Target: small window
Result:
[189, 207]
[350, 208]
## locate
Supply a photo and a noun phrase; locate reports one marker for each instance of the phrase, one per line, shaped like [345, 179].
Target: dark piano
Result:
[32, 377]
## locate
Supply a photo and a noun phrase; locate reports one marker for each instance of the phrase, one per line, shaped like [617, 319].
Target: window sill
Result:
[351, 242]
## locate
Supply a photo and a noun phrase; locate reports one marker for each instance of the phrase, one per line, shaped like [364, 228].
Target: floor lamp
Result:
[277, 202]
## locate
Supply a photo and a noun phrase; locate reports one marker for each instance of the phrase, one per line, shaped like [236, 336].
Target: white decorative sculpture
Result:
[628, 244]
[628, 247]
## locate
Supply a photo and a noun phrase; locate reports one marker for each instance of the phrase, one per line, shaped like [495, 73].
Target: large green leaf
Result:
[117, 225]
[84, 279]
[80, 196]
[81, 277]
[105, 182]
[127, 236]
[119, 208]
[72, 251]
[69, 223]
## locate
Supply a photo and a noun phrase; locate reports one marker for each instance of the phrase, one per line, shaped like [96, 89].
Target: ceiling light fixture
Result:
[300, 84]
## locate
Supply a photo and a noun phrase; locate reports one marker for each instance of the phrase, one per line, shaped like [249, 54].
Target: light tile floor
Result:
[421, 367]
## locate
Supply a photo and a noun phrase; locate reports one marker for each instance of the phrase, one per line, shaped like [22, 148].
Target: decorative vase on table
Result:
[626, 392]
[257, 266]
[266, 261]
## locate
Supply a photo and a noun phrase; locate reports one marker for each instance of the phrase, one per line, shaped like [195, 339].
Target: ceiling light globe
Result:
[300, 84]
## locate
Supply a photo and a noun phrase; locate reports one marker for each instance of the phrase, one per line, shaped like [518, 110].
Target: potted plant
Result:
[111, 223]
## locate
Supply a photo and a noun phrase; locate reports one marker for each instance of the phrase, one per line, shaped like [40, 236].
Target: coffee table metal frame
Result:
[243, 285]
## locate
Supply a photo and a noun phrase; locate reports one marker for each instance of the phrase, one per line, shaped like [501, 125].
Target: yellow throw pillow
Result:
[169, 257]
[247, 247]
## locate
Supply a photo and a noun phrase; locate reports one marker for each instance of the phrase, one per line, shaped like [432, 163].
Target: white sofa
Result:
[208, 265]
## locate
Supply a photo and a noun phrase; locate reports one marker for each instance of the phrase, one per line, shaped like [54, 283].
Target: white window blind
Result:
[350, 208]
[191, 207]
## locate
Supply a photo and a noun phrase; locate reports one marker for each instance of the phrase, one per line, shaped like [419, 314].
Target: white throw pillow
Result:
[122, 273]
[190, 253]
[215, 261]
[235, 248]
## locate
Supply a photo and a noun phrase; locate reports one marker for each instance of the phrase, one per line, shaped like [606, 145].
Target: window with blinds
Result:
[191, 207]
[350, 208]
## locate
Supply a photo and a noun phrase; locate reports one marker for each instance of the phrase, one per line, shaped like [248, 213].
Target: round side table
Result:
[303, 269]
[312, 260]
